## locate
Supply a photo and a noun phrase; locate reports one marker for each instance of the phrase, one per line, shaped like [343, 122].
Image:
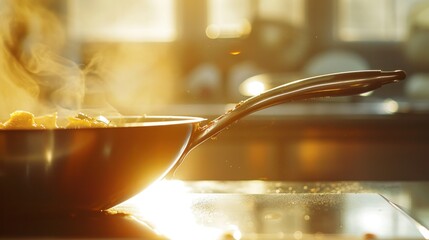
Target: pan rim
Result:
[159, 120]
[127, 121]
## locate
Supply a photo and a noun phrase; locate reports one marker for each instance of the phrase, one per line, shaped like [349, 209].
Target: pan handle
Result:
[329, 85]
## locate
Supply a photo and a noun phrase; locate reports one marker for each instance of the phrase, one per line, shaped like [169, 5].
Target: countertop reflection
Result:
[233, 210]
[277, 210]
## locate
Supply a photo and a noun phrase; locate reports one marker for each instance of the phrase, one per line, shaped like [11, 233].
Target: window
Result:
[125, 20]
[369, 20]
[232, 19]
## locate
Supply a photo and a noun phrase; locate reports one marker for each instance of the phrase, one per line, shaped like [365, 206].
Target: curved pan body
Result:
[88, 169]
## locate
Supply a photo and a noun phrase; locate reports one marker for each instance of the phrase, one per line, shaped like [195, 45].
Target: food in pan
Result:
[21, 120]
[27, 120]
[83, 121]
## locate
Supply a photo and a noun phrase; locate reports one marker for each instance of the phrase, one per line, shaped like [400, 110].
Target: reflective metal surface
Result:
[233, 210]
[85, 169]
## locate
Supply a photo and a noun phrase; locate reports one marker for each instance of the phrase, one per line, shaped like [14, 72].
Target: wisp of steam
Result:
[38, 76]
[35, 77]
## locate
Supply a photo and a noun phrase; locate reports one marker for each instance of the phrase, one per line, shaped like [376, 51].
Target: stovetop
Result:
[173, 209]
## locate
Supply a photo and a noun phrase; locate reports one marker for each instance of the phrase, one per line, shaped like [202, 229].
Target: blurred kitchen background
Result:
[198, 58]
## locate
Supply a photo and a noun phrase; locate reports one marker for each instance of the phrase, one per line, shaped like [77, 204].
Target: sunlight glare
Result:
[167, 207]
[253, 86]
[390, 106]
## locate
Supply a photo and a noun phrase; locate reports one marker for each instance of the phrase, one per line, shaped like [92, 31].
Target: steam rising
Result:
[37, 77]
[34, 76]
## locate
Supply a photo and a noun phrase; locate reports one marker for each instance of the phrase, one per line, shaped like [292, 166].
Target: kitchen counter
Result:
[174, 209]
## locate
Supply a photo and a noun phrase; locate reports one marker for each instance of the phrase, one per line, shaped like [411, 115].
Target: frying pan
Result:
[70, 170]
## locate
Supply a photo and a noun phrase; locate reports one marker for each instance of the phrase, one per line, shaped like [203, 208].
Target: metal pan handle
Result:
[329, 85]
